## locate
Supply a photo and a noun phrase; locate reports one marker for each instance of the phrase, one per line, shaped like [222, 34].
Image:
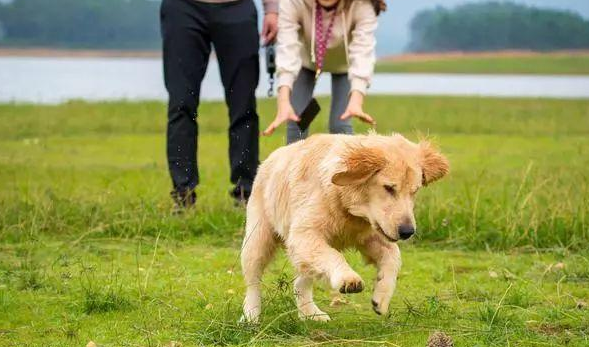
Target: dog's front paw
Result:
[380, 302]
[377, 308]
[349, 283]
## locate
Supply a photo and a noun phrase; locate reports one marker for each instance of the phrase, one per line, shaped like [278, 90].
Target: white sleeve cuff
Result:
[286, 79]
[359, 84]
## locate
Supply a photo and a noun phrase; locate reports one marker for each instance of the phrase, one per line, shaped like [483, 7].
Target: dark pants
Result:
[302, 93]
[188, 29]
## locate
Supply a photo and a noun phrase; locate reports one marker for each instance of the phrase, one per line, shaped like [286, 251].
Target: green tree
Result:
[122, 24]
[495, 26]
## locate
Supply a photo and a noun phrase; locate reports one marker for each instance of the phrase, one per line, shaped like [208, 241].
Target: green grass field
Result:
[90, 251]
[540, 65]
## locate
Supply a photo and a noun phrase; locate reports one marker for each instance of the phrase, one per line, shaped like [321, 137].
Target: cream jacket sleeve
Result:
[289, 47]
[361, 51]
[270, 6]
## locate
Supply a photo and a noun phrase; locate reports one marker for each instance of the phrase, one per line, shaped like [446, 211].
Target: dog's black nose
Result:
[406, 231]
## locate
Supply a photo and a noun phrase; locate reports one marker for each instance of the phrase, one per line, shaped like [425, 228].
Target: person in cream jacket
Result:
[316, 36]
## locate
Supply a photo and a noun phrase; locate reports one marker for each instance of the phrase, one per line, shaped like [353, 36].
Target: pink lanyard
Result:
[322, 38]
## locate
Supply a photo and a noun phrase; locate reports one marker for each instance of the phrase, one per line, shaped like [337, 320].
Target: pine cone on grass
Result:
[439, 339]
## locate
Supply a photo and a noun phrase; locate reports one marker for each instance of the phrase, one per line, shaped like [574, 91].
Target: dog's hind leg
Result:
[387, 258]
[258, 249]
[303, 288]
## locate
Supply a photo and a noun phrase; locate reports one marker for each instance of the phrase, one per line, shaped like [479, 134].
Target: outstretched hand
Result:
[281, 117]
[354, 109]
[285, 111]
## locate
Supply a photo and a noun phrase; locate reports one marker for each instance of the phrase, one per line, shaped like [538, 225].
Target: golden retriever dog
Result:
[328, 193]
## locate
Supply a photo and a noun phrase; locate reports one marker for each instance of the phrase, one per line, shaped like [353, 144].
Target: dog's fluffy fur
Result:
[331, 192]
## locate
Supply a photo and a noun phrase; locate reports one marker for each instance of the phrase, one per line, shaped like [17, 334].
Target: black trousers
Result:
[188, 29]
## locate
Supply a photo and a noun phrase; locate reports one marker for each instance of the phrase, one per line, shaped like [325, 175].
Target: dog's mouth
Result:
[381, 230]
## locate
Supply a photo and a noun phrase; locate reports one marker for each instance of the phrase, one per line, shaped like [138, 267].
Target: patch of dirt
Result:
[550, 329]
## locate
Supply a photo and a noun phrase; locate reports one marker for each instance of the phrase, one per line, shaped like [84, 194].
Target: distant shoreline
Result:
[518, 62]
[423, 57]
[78, 53]
[156, 54]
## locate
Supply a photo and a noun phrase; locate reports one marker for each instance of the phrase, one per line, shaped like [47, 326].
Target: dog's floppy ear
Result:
[434, 164]
[360, 164]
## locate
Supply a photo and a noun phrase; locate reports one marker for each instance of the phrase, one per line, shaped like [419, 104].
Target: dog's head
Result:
[379, 180]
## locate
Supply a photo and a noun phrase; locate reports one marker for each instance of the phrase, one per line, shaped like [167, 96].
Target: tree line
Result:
[116, 24]
[497, 26]
[134, 24]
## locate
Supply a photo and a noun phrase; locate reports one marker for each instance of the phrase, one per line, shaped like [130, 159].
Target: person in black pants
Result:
[189, 28]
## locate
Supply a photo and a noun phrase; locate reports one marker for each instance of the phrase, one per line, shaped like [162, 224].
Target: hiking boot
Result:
[241, 195]
[183, 200]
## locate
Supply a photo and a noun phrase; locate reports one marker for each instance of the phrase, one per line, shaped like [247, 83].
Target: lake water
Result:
[55, 80]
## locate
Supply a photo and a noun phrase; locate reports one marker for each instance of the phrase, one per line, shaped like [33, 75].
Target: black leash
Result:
[271, 67]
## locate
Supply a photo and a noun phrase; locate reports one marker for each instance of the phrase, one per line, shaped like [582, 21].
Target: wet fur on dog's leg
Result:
[258, 249]
[313, 256]
[387, 258]
[303, 291]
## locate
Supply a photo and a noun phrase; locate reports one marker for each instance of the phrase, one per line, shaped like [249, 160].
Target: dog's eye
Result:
[390, 189]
